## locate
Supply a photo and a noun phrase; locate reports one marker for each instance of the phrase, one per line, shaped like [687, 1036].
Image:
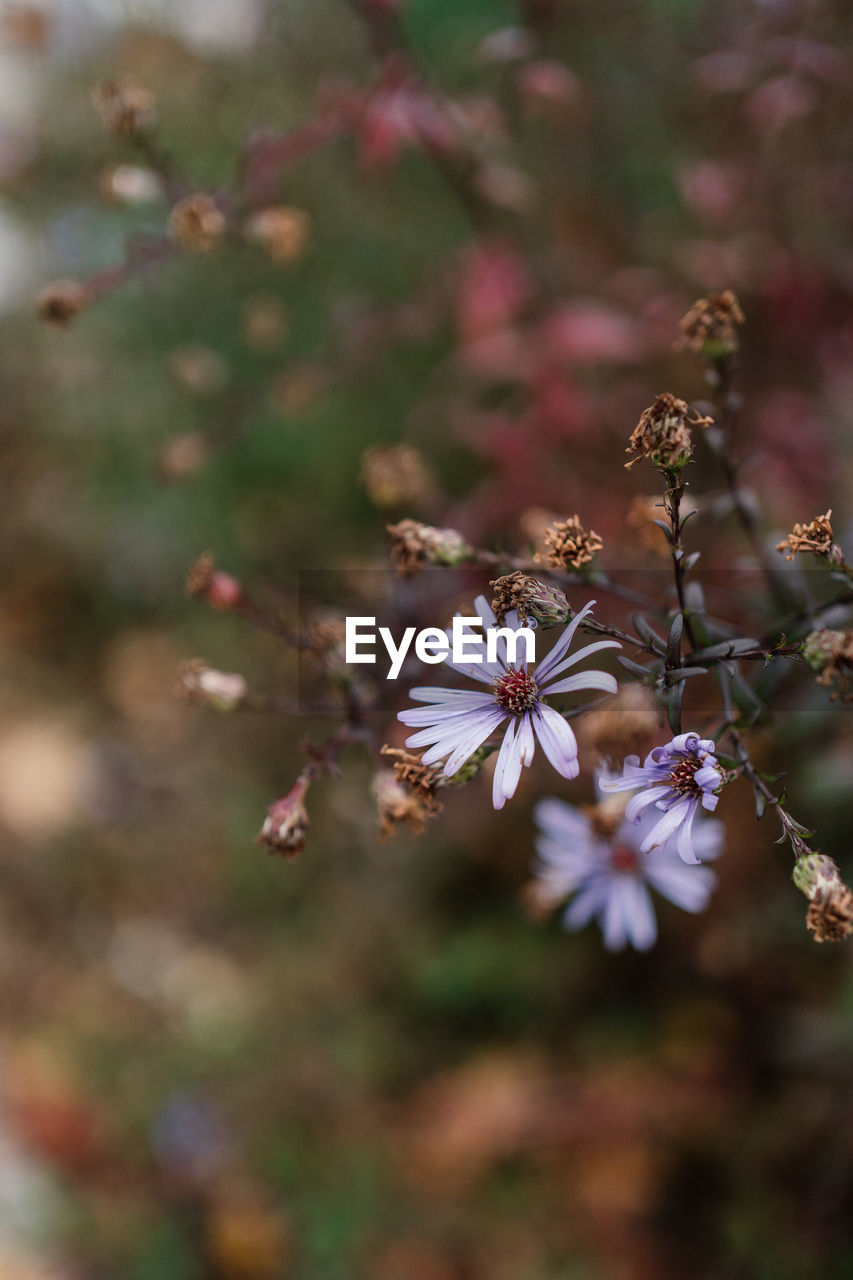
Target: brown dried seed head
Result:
[281, 230]
[395, 475]
[814, 537]
[60, 301]
[830, 913]
[710, 326]
[286, 823]
[197, 223]
[662, 435]
[568, 545]
[414, 545]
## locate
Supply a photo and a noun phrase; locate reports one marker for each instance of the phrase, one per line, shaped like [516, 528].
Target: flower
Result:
[414, 544]
[816, 537]
[287, 822]
[710, 326]
[568, 545]
[609, 875]
[676, 779]
[663, 434]
[830, 913]
[458, 721]
[531, 598]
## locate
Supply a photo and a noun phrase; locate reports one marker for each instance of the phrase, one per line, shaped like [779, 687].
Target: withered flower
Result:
[287, 822]
[414, 545]
[814, 537]
[395, 475]
[406, 792]
[710, 326]
[124, 106]
[530, 598]
[568, 545]
[831, 654]
[61, 300]
[197, 223]
[281, 230]
[663, 433]
[830, 912]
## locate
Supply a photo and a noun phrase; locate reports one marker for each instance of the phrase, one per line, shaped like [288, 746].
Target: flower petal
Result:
[507, 768]
[557, 740]
[585, 680]
[586, 652]
[551, 660]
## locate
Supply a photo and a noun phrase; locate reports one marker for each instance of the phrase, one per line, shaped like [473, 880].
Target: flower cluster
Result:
[414, 545]
[530, 598]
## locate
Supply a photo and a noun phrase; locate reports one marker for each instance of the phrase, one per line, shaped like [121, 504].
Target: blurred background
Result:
[216, 1065]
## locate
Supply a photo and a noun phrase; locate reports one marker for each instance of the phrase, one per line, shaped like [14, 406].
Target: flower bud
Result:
[413, 545]
[220, 590]
[830, 913]
[287, 822]
[531, 598]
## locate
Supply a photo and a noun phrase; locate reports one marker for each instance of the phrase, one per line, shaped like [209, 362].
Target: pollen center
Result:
[681, 776]
[516, 692]
[624, 859]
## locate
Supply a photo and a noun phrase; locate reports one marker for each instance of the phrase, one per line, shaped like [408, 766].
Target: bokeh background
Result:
[216, 1065]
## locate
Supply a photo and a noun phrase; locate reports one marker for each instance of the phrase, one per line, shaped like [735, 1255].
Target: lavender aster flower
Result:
[677, 779]
[609, 875]
[457, 721]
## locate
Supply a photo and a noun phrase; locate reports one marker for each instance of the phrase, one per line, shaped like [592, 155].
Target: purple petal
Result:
[585, 680]
[687, 887]
[557, 740]
[507, 768]
[415, 717]
[562, 644]
[638, 913]
[586, 652]
[668, 825]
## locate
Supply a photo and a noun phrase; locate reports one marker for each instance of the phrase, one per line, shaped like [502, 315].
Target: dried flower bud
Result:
[287, 822]
[60, 301]
[709, 327]
[831, 654]
[397, 803]
[407, 792]
[830, 913]
[414, 545]
[531, 598]
[624, 726]
[222, 690]
[815, 537]
[568, 545]
[197, 223]
[124, 106]
[281, 230]
[663, 434]
[395, 475]
[220, 590]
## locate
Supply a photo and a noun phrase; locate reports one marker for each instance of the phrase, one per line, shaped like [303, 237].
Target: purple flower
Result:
[458, 721]
[609, 876]
[676, 779]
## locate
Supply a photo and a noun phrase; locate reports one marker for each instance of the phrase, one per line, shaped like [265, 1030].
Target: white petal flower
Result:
[456, 722]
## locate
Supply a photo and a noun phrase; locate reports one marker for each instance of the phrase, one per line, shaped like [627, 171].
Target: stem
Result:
[672, 505]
